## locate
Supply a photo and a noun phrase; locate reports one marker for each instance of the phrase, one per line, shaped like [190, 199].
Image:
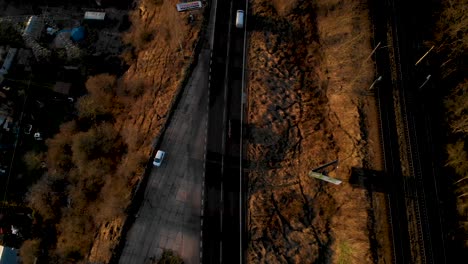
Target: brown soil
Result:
[309, 104]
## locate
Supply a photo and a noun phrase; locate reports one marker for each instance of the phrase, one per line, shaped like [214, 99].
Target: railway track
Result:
[415, 195]
[408, 215]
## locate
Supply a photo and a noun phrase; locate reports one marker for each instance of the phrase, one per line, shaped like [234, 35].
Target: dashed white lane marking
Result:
[204, 163]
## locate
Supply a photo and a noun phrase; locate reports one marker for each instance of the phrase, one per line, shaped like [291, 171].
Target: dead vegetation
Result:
[308, 105]
[451, 42]
[94, 162]
[451, 37]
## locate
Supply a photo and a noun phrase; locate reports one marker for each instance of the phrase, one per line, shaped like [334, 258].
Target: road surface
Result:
[223, 224]
[170, 215]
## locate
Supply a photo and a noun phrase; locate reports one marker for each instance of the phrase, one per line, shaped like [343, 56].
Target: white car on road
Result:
[159, 158]
[240, 19]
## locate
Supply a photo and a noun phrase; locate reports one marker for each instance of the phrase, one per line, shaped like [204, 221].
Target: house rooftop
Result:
[62, 87]
[8, 255]
[94, 15]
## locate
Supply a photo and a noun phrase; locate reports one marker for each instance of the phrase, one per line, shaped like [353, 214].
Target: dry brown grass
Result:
[344, 31]
[305, 105]
[158, 67]
[284, 7]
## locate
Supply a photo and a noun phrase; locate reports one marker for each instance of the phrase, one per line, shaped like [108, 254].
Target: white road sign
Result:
[181, 7]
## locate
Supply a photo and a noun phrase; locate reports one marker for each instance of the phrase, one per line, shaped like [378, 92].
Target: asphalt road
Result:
[222, 222]
[170, 215]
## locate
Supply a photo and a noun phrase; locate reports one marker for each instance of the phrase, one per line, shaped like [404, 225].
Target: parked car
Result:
[158, 159]
[38, 136]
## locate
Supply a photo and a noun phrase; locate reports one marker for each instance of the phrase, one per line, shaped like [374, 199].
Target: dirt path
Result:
[309, 105]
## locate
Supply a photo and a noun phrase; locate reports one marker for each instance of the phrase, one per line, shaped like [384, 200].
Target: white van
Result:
[240, 19]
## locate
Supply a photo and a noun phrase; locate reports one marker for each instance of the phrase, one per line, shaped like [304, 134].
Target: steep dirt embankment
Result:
[308, 105]
[160, 67]
[164, 43]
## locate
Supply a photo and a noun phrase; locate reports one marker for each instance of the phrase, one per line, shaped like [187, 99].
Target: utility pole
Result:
[320, 176]
[376, 47]
[376, 81]
[427, 79]
[325, 165]
[423, 56]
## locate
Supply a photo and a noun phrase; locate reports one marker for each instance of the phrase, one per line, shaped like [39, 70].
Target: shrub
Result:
[457, 157]
[59, 149]
[169, 257]
[43, 198]
[101, 85]
[93, 110]
[457, 108]
[75, 235]
[102, 141]
[34, 160]
[29, 251]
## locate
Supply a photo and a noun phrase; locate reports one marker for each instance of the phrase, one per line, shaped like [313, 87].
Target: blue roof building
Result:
[77, 34]
[8, 255]
[8, 61]
[33, 27]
